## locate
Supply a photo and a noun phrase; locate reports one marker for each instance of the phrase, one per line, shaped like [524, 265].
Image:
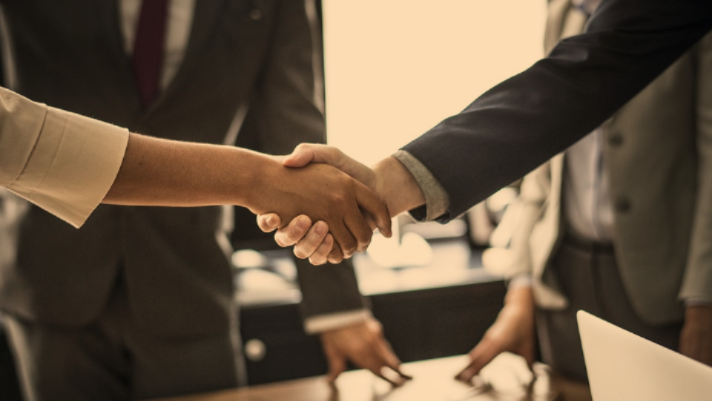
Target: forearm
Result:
[169, 173]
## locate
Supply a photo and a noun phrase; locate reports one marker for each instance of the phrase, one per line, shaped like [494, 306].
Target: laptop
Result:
[623, 366]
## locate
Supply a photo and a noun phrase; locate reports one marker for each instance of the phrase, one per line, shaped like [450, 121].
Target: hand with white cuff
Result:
[388, 178]
[161, 172]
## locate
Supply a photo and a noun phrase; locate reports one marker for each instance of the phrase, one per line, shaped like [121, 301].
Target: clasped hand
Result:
[382, 192]
[347, 208]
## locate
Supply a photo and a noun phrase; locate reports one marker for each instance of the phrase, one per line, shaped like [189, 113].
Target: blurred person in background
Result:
[619, 225]
[138, 303]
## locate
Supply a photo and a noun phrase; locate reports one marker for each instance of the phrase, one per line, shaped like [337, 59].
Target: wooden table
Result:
[508, 377]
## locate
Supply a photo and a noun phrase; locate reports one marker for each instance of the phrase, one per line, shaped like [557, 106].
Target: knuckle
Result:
[364, 240]
[314, 237]
[295, 234]
[349, 246]
[316, 261]
[338, 197]
[329, 241]
[262, 223]
[300, 253]
[376, 328]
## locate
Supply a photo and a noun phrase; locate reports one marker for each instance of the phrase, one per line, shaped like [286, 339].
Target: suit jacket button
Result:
[256, 14]
[255, 350]
[615, 139]
[622, 205]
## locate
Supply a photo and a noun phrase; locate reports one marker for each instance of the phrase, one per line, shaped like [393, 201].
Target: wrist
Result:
[397, 186]
[262, 173]
[520, 299]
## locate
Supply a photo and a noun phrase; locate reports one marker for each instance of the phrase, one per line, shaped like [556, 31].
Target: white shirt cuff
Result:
[697, 302]
[73, 165]
[333, 321]
[520, 280]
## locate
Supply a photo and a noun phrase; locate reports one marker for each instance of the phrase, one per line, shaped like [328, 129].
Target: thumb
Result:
[313, 153]
[268, 222]
[301, 156]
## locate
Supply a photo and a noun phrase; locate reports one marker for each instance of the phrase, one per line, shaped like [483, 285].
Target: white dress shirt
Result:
[587, 207]
[179, 23]
[585, 191]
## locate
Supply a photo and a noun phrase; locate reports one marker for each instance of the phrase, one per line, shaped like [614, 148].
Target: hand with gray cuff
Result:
[389, 178]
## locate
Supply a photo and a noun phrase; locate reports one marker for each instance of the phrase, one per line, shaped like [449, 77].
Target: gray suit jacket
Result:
[659, 157]
[69, 55]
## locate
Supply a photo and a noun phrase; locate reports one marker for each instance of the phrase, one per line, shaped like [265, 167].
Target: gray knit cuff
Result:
[437, 200]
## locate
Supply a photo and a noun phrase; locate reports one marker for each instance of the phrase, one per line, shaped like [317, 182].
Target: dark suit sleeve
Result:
[527, 119]
[284, 114]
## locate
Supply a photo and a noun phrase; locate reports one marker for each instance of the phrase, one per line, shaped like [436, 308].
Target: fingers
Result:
[315, 243]
[336, 255]
[321, 254]
[374, 362]
[382, 376]
[344, 238]
[337, 364]
[381, 366]
[384, 351]
[268, 222]
[312, 240]
[293, 232]
[389, 358]
[483, 354]
[378, 356]
[373, 205]
[357, 224]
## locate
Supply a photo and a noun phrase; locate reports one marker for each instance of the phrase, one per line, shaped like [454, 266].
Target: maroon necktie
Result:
[148, 48]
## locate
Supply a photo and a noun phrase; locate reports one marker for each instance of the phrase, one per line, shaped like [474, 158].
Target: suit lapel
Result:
[204, 24]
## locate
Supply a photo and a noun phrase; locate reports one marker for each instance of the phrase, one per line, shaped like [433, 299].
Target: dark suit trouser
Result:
[112, 359]
[588, 275]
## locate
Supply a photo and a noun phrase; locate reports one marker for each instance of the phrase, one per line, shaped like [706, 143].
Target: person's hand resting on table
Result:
[513, 331]
[364, 345]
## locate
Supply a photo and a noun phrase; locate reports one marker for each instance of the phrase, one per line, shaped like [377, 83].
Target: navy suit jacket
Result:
[527, 119]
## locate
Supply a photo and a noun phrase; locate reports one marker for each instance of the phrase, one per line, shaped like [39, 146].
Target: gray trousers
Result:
[588, 276]
[111, 359]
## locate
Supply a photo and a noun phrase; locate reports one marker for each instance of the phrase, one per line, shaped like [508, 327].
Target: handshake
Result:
[328, 205]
